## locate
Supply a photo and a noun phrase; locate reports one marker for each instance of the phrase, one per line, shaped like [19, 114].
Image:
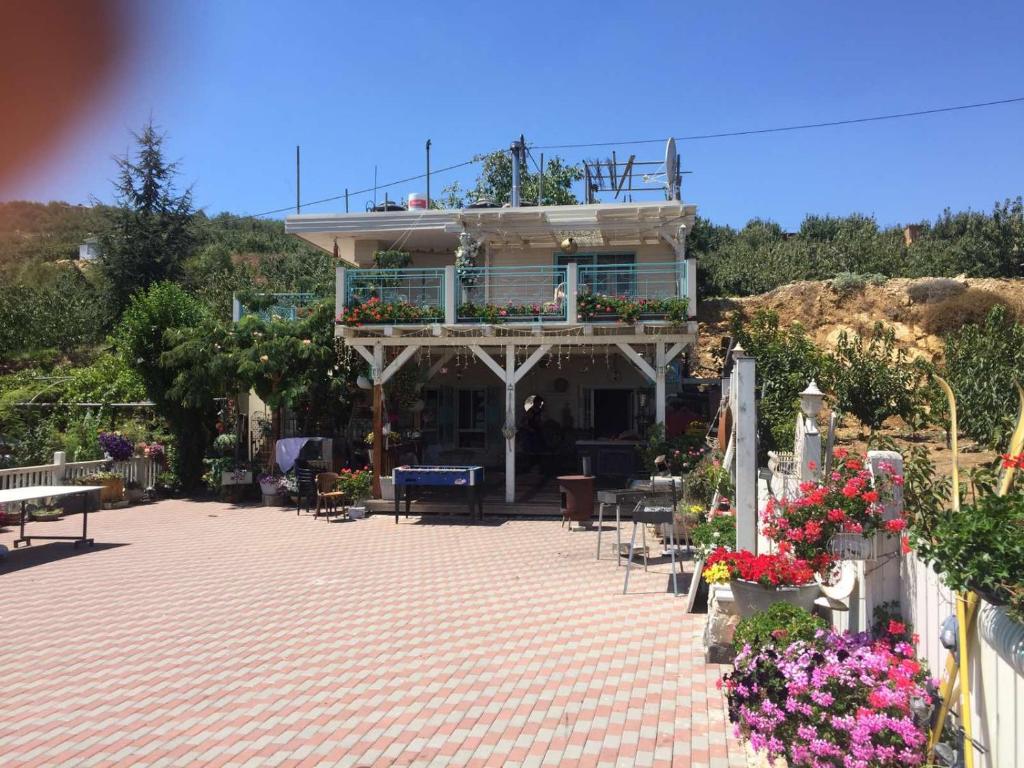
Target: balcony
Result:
[533, 295]
[269, 306]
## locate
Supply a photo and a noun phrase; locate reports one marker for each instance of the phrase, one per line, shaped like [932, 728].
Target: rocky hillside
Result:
[920, 311]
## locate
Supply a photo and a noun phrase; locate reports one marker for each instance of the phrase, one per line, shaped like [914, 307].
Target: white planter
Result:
[236, 478]
[751, 597]
[387, 489]
[357, 513]
[270, 488]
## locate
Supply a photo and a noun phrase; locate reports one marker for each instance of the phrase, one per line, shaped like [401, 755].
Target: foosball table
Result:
[469, 477]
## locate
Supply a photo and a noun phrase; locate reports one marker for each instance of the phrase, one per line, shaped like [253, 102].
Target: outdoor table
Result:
[25, 495]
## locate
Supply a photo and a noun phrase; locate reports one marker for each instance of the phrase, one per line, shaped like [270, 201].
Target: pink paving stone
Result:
[204, 631]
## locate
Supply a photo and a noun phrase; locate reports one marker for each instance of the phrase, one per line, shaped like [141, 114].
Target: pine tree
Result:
[149, 233]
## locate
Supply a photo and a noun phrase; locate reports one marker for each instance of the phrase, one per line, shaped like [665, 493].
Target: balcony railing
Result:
[285, 306]
[511, 294]
[527, 294]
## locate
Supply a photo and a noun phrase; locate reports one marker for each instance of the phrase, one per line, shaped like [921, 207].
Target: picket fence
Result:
[61, 472]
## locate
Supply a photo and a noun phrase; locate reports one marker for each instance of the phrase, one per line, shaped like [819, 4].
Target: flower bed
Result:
[374, 311]
[597, 306]
[777, 570]
[838, 701]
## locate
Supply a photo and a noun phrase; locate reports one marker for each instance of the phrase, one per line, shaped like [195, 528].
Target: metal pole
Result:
[298, 182]
[516, 147]
[346, 199]
[540, 182]
[428, 173]
[375, 186]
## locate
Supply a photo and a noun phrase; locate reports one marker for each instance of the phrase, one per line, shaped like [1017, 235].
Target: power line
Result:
[780, 129]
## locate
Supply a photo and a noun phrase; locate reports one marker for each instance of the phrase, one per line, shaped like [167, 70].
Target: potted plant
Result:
[718, 532]
[112, 490]
[116, 446]
[46, 514]
[757, 581]
[134, 492]
[270, 484]
[842, 515]
[356, 485]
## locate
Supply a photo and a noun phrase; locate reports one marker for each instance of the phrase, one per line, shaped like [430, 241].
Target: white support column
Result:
[236, 308]
[509, 429]
[450, 292]
[339, 289]
[659, 383]
[571, 291]
[745, 416]
[691, 288]
[60, 461]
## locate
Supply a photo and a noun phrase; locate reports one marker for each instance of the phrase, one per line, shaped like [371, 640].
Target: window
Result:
[614, 282]
[472, 418]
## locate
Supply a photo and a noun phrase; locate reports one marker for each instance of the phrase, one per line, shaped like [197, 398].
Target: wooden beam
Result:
[531, 361]
[589, 336]
[397, 363]
[488, 360]
[364, 352]
[637, 360]
[432, 371]
[674, 350]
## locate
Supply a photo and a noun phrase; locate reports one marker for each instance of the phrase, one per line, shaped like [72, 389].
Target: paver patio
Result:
[218, 635]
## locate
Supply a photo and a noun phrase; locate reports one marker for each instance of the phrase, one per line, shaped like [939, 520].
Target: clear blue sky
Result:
[237, 85]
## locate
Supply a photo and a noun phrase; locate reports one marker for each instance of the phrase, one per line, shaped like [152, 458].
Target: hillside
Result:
[920, 311]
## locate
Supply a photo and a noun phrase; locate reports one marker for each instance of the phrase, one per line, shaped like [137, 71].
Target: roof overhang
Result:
[600, 224]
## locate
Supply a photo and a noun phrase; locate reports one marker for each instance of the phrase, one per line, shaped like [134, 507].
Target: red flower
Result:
[905, 545]
[896, 627]
[895, 526]
[870, 497]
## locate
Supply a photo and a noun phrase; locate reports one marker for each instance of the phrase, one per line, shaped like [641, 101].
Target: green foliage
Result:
[780, 625]
[157, 323]
[681, 453]
[708, 477]
[760, 256]
[983, 362]
[849, 283]
[392, 259]
[718, 531]
[874, 380]
[149, 234]
[787, 360]
[981, 547]
[495, 183]
[33, 233]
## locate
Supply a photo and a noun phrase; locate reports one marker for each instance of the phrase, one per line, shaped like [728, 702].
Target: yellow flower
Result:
[264, 359]
[717, 574]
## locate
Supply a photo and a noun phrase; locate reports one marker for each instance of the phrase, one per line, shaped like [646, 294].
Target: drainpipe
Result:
[517, 152]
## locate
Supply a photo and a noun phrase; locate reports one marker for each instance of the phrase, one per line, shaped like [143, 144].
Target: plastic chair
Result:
[305, 480]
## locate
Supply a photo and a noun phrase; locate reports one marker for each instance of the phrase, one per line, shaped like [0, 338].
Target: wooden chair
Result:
[327, 495]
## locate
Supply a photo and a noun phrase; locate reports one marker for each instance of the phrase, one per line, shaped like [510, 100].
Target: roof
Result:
[597, 224]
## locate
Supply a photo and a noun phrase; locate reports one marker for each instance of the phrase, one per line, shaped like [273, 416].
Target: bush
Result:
[779, 626]
[983, 362]
[847, 283]
[874, 379]
[718, 531]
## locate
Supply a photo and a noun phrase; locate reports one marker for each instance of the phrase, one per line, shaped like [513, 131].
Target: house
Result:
[89, 249]
[543, 333]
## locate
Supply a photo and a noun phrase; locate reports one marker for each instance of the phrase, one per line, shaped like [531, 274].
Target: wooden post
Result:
[450, 290]
[510, 424]
[59, 467]
[378, 417]
[660, 367]
[745, 415]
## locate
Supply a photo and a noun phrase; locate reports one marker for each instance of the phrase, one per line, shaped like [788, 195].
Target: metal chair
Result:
[656, 506]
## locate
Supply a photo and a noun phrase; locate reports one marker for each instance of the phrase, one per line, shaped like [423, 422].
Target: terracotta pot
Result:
[112, 490]
[751, 597]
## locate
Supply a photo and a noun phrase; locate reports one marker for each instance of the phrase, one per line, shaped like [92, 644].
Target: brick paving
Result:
[218, 635]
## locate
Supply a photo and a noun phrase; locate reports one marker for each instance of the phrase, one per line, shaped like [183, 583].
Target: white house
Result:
[585, 306]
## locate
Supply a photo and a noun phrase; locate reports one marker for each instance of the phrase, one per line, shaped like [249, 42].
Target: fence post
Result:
[59, 462]
[339, 290]
[745, 417]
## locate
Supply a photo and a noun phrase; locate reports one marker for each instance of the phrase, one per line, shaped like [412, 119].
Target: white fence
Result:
[140, 470]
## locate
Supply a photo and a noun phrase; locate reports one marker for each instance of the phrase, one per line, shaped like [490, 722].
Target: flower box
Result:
[236, 477]
[750, 597]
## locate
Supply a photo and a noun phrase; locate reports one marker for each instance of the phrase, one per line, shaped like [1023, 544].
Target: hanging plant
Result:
[466, 258]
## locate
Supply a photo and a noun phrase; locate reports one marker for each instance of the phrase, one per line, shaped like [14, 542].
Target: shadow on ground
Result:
[40, 554]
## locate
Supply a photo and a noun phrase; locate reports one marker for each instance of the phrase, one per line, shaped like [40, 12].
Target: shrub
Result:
[718, 531]
[874, 379]
[982, 364]
[779, 626]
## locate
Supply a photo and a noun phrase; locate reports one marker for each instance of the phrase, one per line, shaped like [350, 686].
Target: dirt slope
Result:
[919, 310]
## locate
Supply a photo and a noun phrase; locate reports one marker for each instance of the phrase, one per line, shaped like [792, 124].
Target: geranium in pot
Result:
[357, 486]
[758, 581]
[842, 514]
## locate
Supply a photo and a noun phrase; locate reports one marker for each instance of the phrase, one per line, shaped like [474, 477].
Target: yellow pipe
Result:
[1016, 445]
[965, 610]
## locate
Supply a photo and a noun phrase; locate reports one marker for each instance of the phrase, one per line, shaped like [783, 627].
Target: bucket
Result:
[417, 201]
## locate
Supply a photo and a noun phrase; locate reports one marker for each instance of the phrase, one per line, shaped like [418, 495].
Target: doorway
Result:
[613, 412]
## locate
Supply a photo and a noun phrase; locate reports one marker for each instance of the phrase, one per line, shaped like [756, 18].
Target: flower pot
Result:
[236, 478]
[852, 546]
[357, 513]
[134, 495]
[750, 597]
[269, 487]
[45, 515]
[112, 490]
[387, 489]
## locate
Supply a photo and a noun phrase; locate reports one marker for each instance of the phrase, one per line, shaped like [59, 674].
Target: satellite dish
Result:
[671, 170]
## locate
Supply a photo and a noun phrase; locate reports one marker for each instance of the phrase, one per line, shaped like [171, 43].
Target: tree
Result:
[495, 183]
[171, 341]
[149, 233]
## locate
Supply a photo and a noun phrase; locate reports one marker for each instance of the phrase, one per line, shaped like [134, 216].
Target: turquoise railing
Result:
[286, 306]
[511, 294]
[421, 288]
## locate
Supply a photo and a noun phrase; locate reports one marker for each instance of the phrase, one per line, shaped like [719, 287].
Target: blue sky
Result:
[237, 85]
